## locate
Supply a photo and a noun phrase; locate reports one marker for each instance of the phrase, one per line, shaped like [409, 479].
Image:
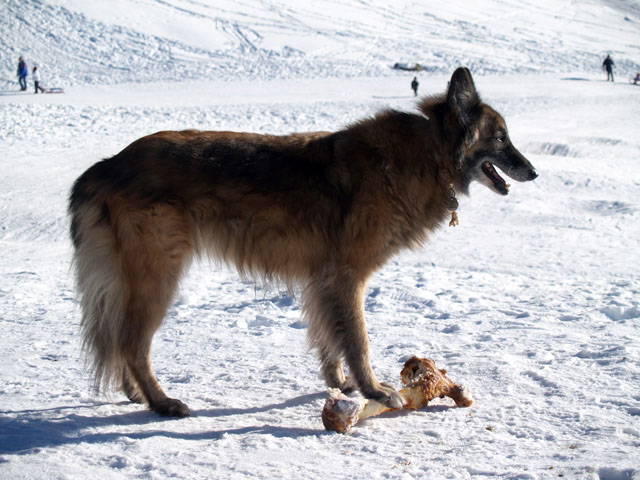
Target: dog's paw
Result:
[387, 395]
[171, 407]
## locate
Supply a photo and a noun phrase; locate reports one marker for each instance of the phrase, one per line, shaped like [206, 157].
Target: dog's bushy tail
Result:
[100, 285]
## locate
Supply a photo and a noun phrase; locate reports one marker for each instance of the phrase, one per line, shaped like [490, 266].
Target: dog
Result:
[320, 210]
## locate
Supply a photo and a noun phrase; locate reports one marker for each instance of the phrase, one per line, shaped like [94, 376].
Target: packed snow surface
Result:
[533, 301]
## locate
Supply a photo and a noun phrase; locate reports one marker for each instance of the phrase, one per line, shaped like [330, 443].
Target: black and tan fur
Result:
[320, 210]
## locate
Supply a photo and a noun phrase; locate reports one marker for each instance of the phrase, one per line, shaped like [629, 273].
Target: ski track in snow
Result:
[532, 302]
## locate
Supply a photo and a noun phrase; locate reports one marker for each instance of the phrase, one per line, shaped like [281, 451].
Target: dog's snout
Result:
[533, 175]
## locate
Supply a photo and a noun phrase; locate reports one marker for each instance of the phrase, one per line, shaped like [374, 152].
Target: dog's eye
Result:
[500, 137]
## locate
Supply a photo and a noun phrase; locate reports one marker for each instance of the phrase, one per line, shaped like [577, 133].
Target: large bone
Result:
[423, 381]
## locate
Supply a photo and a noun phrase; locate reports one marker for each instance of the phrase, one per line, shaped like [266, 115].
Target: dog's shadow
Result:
[23, 431]
[291, 403]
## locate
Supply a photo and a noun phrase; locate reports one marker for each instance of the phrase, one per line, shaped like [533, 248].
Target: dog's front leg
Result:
[356, 354]
[334, 305]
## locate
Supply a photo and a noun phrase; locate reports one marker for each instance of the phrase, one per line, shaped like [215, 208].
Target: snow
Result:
[533, 301]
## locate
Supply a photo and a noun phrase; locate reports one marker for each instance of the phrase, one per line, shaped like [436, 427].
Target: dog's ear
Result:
[462, 98]
[462, 95]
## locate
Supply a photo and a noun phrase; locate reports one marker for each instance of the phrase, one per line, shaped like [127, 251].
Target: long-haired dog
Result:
[320, 210]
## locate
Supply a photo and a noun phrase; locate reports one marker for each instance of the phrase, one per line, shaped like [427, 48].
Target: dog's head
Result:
[483, 140]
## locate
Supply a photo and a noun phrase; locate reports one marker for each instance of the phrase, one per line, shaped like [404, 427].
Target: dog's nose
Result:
[533, 175]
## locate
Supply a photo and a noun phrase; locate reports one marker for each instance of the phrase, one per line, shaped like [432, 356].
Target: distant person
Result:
[36, 80]
[637, 79]
[608, 66]
[23, 71]
[414, 86]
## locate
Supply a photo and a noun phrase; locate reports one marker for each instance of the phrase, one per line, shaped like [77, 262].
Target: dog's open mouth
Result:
[501, 186]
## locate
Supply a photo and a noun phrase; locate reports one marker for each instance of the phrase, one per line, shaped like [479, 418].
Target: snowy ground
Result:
[533, 301]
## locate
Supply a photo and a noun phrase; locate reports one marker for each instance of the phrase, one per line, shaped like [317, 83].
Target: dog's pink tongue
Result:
[498, 181]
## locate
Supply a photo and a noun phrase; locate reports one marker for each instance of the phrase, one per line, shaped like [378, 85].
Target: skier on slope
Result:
[608, 66]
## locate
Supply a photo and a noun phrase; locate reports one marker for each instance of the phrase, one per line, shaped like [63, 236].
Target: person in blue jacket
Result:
[23, 71]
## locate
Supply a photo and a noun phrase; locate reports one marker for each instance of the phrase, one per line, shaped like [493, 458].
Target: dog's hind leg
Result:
[137, 354]
[334, 305]
[130, 387]
[155, 249]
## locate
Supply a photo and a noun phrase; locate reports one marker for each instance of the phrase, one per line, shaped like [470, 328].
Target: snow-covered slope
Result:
[533, 301]
[92, 41]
